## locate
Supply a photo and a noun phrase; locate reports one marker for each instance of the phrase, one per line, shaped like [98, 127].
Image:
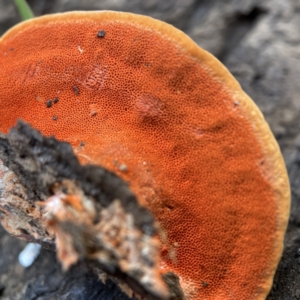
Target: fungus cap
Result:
[143, 100]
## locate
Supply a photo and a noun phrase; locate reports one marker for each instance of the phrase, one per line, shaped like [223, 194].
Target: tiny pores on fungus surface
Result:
[136, 92]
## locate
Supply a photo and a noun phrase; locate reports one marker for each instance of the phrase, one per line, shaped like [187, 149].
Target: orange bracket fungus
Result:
[139, 98]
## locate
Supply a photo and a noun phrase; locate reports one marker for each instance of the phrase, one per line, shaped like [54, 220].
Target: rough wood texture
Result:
[86, 200]
[259, 42]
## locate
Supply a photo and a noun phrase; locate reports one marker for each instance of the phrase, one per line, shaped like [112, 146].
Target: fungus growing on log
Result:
[91, 213]
[195, 149]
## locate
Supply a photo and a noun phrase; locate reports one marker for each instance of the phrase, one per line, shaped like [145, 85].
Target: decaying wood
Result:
[86, 212]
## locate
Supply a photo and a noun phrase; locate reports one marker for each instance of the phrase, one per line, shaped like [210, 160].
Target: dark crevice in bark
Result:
[238, 27]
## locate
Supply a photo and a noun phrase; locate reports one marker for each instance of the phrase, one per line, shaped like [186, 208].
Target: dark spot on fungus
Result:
[81, 145]
[204, 284]
[76, 90]
[169, 207]
[49, 103]
[55, 100]
[101, 34]
[54, 118]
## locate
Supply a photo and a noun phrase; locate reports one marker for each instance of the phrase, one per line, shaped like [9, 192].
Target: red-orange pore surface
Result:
[140, 105]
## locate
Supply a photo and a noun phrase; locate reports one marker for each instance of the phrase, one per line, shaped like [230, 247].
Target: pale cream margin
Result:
[278, 175]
